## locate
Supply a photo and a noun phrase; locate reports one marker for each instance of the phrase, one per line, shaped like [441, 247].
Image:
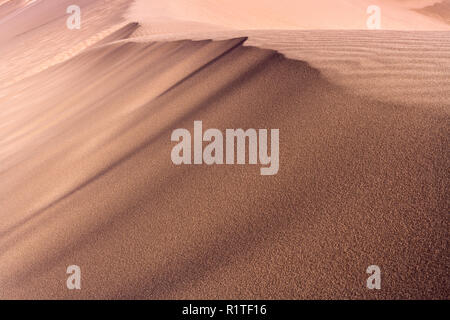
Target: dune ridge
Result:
[392, 66]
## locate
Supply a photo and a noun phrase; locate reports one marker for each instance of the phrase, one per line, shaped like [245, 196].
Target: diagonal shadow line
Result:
[171, 53]
[238, 44]
[201, 106]
[43, 265]
[116, 51]
[121, 34]
[130, 85]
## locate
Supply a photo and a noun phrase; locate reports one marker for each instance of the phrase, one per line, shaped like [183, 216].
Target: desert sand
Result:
[85, 171]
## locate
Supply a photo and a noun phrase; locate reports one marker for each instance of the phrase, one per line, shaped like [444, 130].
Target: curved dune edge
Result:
[361, 181]
[407, 67]
[391, 66]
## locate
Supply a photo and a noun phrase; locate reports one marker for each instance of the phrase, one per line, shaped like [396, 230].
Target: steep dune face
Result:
[86, 178]
[286, 14]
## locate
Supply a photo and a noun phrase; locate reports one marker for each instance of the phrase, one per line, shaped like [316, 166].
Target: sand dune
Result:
[86, 176]
[358, 179]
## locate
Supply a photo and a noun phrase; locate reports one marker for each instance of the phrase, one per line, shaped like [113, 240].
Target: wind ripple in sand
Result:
[393, 66]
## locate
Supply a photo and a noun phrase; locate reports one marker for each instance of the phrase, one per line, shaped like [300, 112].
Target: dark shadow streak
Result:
[129, 155]
[43, 265]
[240, 42]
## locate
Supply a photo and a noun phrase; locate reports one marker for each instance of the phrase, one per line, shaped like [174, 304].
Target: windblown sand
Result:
[86, 176]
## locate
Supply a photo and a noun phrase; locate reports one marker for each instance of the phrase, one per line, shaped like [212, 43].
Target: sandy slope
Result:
[86, 176]
[361, 182]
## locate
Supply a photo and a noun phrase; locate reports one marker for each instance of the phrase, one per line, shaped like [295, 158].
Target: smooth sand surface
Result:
[86, 176]
[292, 14]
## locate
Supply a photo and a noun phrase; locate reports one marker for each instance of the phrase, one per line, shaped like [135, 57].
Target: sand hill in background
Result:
[287, 14]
